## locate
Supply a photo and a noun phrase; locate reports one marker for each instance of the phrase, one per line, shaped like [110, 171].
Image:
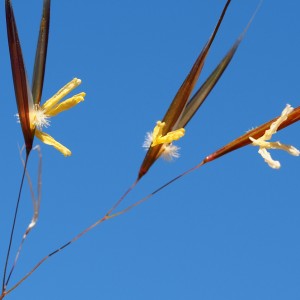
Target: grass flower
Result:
[159, 138]
[286, 120]
[27, 97]
[264, 144]
[168, 150]
[40, 114]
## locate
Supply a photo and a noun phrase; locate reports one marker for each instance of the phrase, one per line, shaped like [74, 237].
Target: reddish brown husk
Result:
[41, 54]
[180, 100]
[244, 140]
[25, 99]
[22, 90]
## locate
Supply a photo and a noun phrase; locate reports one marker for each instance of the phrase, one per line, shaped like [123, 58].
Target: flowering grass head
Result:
[33, 116]
[264, 144]
[183, 108]
[260, 134]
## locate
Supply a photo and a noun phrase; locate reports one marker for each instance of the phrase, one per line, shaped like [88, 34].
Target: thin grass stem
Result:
[122, 198]
[78, 236]
[156, 191]
[36, 207]
[107, 216]
[4, 281]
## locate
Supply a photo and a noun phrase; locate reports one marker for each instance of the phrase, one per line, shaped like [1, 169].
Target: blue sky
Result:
[227, 231]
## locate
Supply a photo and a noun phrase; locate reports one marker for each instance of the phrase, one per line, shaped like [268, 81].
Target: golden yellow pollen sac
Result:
[61, 93]
[65, 105]
[47, 139]
[41, 114]
[171, 136]
[157, 131]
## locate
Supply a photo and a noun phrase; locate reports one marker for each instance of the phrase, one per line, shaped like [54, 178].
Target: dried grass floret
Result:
[264, 144]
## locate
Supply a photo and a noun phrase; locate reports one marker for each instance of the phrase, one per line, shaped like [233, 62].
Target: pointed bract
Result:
[202, 93]
[41, 54]
[21, 85]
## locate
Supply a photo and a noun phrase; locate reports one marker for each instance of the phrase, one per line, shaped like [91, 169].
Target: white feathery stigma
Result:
[40, 119]
[148, 141]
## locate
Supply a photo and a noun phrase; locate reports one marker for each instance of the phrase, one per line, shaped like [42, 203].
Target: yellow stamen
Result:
[65, 105]
[61, 93]
[171, 136]
[157, 131]
[47, 139]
